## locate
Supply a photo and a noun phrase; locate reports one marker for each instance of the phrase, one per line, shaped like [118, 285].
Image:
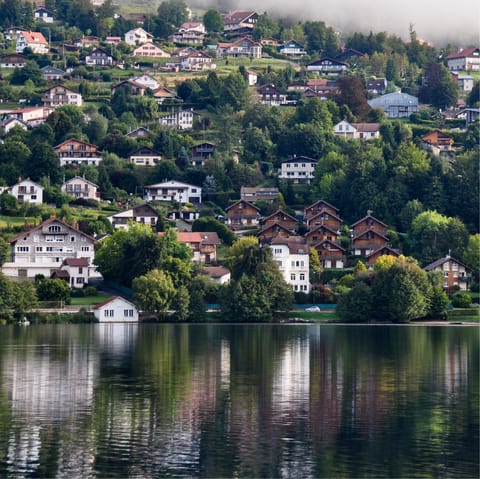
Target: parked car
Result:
[313, 309]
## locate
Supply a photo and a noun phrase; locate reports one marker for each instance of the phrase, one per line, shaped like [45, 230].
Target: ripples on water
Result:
[239, 401]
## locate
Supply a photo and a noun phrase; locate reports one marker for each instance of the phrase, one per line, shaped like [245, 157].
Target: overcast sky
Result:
[435, 21]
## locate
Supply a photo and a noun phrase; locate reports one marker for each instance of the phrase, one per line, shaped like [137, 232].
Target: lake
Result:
[299, 401]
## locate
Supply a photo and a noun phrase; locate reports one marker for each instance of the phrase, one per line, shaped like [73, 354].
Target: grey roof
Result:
[393, 99]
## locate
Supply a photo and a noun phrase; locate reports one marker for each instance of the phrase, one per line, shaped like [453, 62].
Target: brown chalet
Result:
[321, 233]
[369, 222]
[437, 141]
[273, 231]
[455, 274]
[367, 242]
[325, 217]
[242, 213]
[282, 218]
[330, 254]
[319, 206]
[383, 251]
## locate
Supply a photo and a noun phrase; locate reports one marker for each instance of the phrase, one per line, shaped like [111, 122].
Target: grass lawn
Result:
[320, 317]
[9, 221]
[90, 300]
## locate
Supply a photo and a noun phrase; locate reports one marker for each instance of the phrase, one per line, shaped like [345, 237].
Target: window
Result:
[79, 280]
[72, 238]
[85, 248]
[39, 249]
[445, 274]
[278, 251]
[292, 277]
[23, 249]
[54, 229]
[302, 277]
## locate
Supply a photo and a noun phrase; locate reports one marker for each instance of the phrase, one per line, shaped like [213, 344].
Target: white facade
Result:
[147, 81]
[298, 169]
[181, 120]
[173, 191]
[44, 248]
[27, 191]
[137, 36]
[142, 214]
[293, 262]
[358, 131]
[465, 60]
[79, 187]
[116, 310]
[34, 40]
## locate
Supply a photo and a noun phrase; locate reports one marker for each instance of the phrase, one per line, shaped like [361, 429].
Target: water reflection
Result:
[236, 400]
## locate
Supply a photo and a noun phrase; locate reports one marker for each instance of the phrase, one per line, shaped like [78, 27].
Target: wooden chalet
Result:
[242, 213]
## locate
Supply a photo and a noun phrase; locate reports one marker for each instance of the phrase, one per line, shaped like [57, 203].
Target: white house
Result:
[137, 36]
[145, 156]
[219, 274]
[143, 214]
[328, 66]
[467, 59]
[43, 248]
[27, 191]
[74, 271]
[361, 131]
[299, 169]
[41, 13]
[9, 123]
[147, 81]
[292, 49]
[292, 256]
[180, 120]
[59, 95]
[116, 310]
[173, 191]
[33, 40]
[79, 187]
[148, 49]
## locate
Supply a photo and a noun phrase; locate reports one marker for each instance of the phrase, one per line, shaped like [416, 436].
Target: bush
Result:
[90, 291]
[461, 300]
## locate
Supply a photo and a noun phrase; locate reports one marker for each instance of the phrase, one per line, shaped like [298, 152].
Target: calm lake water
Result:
[299, 401]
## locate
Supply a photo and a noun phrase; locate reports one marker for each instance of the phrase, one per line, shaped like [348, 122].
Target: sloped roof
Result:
[237, 16]
[279, 211]
[109, 300]
[441, 261]
[323, 202]
[241, 201]
[79, 178]
[376, 233]
[466, 52]
[391, 251]
[366, 127]
[274, 226]
[47, 222]
[330, 242]
[371, 217]
[81, 262]
[296, 244]
[34, 37]
[216, 271]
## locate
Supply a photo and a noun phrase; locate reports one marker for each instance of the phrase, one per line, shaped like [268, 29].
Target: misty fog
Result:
[437, 22]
